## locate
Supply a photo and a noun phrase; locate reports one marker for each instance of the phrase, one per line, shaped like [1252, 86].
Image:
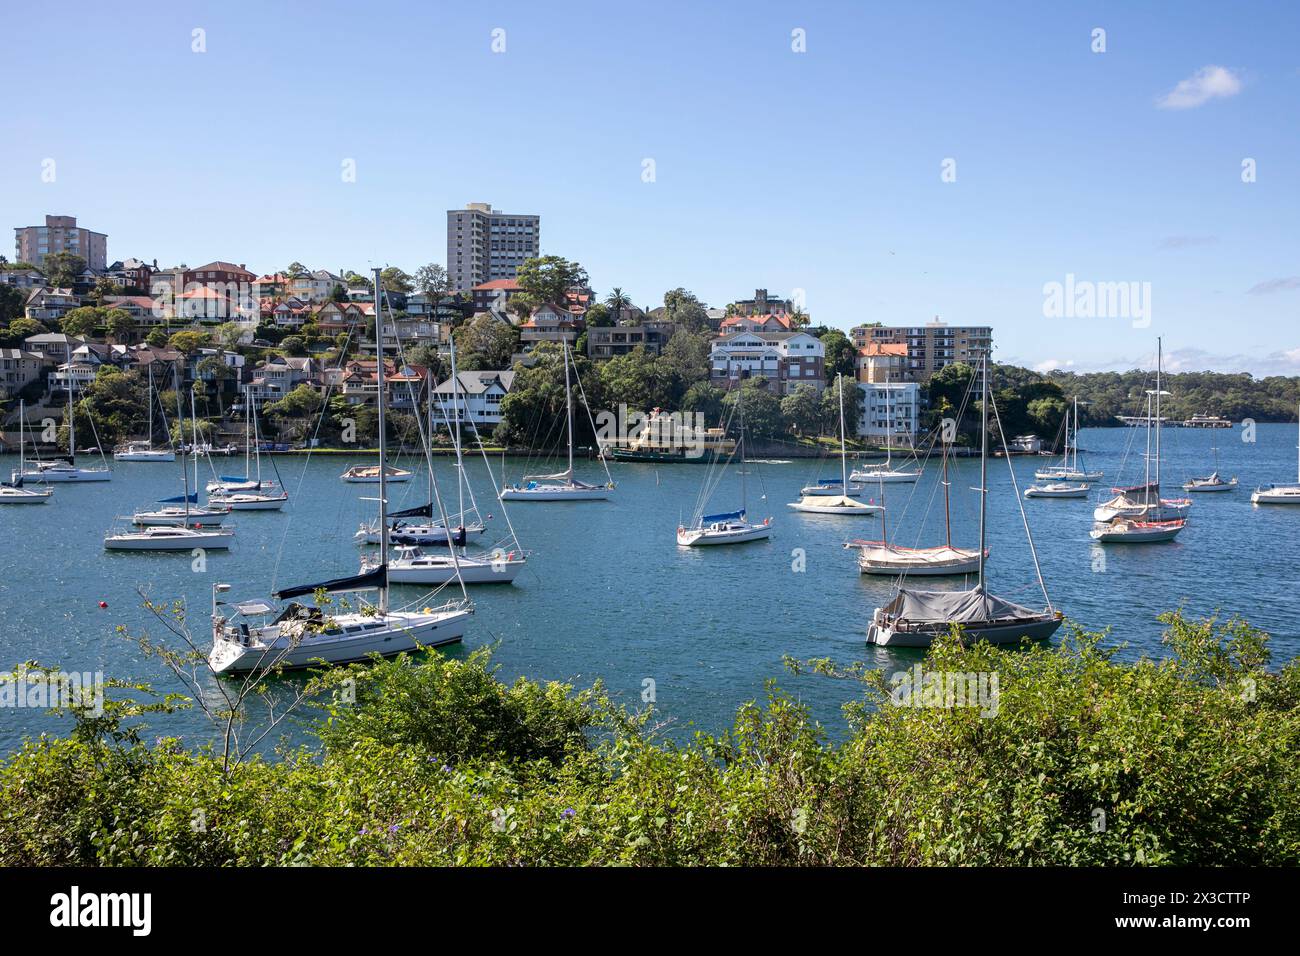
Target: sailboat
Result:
[414, 533]
[1068, 470]
[914, 618]
[818, 502]
[562, 486]
[68, 470]
[729, 527]
[261, 496]
[415, 566]
[369, 474]
[1140, 517]
[13, 492]
[144, 450]
[1213, 481]
[1143, 502]
[174, 537]
[887, 558]
[299, 636]
[887, 473]
[1280, 494]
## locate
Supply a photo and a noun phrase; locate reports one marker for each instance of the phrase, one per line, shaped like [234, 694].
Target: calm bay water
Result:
[608, 595]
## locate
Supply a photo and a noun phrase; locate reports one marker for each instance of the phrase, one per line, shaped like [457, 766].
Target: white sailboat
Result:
[886, 473]
[1213, 481]
[144, 450]
[262, 496]
[1058, 489]
[1068, 470]
[369, 475]
[1281, 494]
[818, 502]
[13, 492]
[885, 557]
[1140, 515]
[68, 470]
[562, 486]
[1143, 502]
[298, 635]
[729, 527]
[914, 618]
[412, 565]
[174, 537]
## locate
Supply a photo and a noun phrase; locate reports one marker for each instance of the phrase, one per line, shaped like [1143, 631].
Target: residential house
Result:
[219, 272]
[83, 366]
[550, 323]
[145, 310]
[604, 342]
[280, 376]
[55, 346]
[761, 304]
[26, 279]
[270, 286]
[401, 333]
[785, 360]
[495, 295]
[474, 398]
[164, 365]
[882, 362]
[314, 287]
[890, 411]
[133, 275]
[335, 317]
[291, 313]
[18, 369]
[767, 322]
[49, 305]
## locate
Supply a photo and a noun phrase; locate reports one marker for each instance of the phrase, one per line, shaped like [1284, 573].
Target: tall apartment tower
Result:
[61, 234]
[930, 347]
[483, 245]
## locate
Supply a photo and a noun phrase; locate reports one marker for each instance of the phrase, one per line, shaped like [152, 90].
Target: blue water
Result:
[607, 594]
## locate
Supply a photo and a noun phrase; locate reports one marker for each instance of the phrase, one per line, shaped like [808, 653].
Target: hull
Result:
[1049, 492]
[248, 502]
[703, 537]
[144, 456]
[1220, 486]
[884, 477]
[824, 491]
[169, 517]
[23, 496]
[887, 635]
[811, 506]
[554, 493]
[144, 541]
[1165, 511]
[441, 571]
[412, 534]
[401, 631]
[365, 478]
[68, 474]
[1136, 533]
[1276, 496]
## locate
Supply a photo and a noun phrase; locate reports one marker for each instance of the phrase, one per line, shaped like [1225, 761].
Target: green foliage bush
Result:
[1192, 759]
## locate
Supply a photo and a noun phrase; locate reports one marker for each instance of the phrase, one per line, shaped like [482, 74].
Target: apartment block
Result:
[484, 244]
[605, 342]
[889, 411]
[785, 360]
[930, 347]
[61, 234]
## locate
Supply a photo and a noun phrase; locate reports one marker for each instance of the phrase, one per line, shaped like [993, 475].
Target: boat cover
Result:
[192, 498]
[424, 511]
[1138, 495]
[355, 582]
[726, 516]
[955, 607]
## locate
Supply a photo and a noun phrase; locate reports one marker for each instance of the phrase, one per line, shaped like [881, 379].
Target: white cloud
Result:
[1274, 285]
[1051, 365]
[1280, 362]
[1207, 83]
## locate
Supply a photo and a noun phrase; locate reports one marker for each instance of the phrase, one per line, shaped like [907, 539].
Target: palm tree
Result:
[617, 301]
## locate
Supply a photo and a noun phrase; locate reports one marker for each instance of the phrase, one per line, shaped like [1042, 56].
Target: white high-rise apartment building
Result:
[483, 245]
[61, 234]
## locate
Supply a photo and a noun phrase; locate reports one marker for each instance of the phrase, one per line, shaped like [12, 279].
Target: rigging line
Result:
[1020, 502]
[496, 490]
[583, 395]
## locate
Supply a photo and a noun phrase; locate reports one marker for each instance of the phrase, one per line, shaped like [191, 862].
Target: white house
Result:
[883, 400]
[478, 398]
[785, 359]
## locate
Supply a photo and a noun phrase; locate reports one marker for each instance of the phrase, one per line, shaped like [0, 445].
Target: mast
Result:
[947, 510]
[984, 457]
[72, 423]
[1159, 363]
[22, 440]
[460, 465]
[1076, 433]
[568, 405]
[844, 461]
[185, 474]
[248, 411]
[149, 368]
[740, 402]
[383, 443]
[1146, 481]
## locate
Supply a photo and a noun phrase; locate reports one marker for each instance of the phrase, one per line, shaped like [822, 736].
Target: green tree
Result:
[802, 411]
[485, 342]
[548, 278]
[295, 270]
[841, 356]
[63, 268]
[81, 322]
[156, 338]
[432, 280]
[618, 302]
[12, 304]
[189, 341]
[684, 310]
[395, 280]
[121, 325]
[294, 345]
[762, 410]
[706, 399]
[228, 336]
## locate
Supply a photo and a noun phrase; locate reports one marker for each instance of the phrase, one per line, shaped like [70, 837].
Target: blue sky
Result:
[817, 170]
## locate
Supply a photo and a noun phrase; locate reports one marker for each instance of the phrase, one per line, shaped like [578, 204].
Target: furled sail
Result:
[356, 582]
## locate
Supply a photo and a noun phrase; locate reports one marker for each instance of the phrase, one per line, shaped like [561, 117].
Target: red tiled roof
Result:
[883, 348]
[498, 284]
